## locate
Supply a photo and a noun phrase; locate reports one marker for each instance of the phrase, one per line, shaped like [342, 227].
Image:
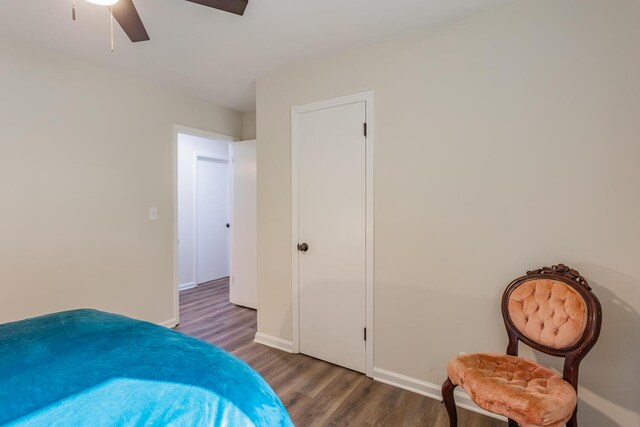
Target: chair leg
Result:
[573, 421]
[449, 401]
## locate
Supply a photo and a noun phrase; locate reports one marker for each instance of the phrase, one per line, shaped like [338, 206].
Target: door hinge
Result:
[365, 129]
[365, 334]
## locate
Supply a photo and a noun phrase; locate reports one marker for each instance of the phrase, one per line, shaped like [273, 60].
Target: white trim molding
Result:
[171, 323]
[429, 389]
[367, 98]
[185, 286]
[274, 342]
[186, 130]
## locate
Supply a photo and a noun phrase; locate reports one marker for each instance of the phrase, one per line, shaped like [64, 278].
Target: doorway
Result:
[332, 157]
[203, 178]
[215, 181]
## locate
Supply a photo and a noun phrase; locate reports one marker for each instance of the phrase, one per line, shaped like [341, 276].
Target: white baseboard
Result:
[429, 389]
[185, 286]
[171, 323]
[274, 342]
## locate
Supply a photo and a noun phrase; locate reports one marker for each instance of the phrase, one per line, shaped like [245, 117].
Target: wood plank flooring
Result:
[316, 393]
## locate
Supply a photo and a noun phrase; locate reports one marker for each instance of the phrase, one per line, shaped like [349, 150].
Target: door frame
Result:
[186, 130]
[196, 157]
[368, 98]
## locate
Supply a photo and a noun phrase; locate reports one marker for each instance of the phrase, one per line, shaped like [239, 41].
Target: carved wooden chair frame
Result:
[572, 355]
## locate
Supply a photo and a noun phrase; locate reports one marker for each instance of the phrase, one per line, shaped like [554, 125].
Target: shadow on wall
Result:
[609, 375]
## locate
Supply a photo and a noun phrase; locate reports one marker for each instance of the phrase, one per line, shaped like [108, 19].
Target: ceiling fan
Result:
[125, 12]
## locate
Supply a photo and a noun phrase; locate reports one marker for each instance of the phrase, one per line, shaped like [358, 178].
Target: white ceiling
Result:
[216, 55]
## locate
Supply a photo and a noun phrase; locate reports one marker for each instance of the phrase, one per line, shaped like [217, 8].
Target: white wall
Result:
[84, 152]
[505, 141]
[249, 130]
[188, 145]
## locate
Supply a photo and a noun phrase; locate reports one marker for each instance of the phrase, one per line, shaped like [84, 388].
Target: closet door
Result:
[331, 171]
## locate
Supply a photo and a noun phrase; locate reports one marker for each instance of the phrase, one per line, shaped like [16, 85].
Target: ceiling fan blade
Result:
[127, 16]
[232, 6]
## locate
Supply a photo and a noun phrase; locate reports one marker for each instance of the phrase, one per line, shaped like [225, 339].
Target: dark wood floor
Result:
[316, 393]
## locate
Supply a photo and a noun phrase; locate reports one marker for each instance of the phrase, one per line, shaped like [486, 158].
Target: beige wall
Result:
[249, 125]
[505, 141]
[83, 153]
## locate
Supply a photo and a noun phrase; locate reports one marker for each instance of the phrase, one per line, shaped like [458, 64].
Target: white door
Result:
[244, 283]
[331, 170]
[212, 217]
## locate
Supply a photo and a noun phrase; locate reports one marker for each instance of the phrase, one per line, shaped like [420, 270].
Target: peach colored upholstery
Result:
[517, 388]
[549, 312]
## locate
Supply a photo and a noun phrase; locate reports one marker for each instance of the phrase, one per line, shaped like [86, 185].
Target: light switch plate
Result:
[153, 214]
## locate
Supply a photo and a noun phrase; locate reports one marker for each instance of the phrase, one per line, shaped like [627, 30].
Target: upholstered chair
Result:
[553, 311]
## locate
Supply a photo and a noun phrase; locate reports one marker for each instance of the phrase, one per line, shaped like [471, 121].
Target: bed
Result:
[87, 367]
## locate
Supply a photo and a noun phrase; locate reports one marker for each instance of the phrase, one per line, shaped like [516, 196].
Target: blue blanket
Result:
[89, 368]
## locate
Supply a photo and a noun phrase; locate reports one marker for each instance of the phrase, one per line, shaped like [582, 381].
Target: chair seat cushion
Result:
[517, 388]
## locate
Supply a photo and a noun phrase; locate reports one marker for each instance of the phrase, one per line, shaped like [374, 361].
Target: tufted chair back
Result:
[553, 311]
